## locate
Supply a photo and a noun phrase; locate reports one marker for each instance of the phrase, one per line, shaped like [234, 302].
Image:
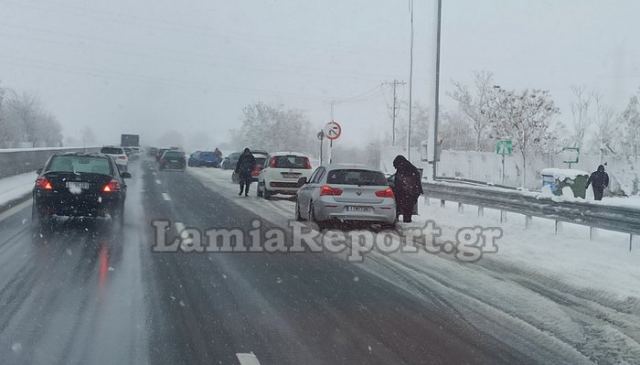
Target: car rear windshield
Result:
[290, 162]
[356, 177]
[260, 161]
[173, 154]
[111, 150]
[207, 155]
[80, 164]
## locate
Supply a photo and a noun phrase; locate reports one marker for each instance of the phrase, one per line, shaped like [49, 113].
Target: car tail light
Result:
[43, 184]
[307, 163]
[122, 157]
[272, 162]
[328, 190]
[255, 171]
[111, 187]
[386, 193]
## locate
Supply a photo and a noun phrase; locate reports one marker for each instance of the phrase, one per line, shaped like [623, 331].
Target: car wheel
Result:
[298, 215]
[40, 223]
[258, 190]
[265, 193]
[312, 217]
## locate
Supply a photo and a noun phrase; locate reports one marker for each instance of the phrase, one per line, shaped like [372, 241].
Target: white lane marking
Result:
[247, 359]
[13, 210]
[154, 173]
[166, 196]
[158, 182]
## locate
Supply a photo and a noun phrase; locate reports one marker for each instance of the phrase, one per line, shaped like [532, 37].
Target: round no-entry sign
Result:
[332, 130]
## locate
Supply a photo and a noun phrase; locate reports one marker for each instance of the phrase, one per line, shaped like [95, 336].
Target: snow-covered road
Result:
[561, 293]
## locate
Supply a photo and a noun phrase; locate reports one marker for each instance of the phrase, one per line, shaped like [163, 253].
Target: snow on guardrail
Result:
[618, 218]
[15, 161]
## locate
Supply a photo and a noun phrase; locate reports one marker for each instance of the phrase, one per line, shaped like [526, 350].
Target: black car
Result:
[79, 185]
[174, 160]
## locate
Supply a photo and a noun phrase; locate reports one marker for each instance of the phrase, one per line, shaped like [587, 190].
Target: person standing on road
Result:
[599, 180]
[407, 187]
[218, 155]
[245, 165]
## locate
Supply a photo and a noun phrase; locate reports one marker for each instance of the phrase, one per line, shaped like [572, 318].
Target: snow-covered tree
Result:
[524, 117]
[607, 136]
[274, 128]
[473, 101]
[453, 131]
[581, 114]
[23, 119]
[630, 123]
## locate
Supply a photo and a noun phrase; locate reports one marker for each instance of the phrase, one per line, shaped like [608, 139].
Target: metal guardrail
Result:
[614, 218]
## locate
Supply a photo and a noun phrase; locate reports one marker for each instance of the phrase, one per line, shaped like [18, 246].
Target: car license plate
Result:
[77, 186]
[358, 209]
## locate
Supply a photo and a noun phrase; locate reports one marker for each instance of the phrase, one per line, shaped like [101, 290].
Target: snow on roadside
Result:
[604, 263]
[14, 187]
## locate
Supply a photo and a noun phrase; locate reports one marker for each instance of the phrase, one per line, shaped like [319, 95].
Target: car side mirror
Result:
[125, 175]
[302, 181]
[39, 171]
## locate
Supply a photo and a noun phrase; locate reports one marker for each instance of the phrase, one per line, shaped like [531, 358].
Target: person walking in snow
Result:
[599, 180]
[245, 165]
[407, 187]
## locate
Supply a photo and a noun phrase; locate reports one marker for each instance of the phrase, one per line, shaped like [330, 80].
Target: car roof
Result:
[284, 153]
[349, 166]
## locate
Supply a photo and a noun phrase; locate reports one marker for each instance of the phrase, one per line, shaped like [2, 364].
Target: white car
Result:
[346, 193]
[119, 156]
[281, 173]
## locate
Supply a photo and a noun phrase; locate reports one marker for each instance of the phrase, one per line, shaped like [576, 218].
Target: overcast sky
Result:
[150, 65]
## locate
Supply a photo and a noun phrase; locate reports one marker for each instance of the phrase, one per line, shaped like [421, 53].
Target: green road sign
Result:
[504, 147]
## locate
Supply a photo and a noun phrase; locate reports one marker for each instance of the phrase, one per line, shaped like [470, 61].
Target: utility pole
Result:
[395, 84]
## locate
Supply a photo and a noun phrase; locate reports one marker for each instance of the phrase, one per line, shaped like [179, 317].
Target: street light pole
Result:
[437, 98]
[410, 85]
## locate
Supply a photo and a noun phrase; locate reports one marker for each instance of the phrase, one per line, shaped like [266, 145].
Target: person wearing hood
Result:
[246, 163]
[407, 187]
[599, 180]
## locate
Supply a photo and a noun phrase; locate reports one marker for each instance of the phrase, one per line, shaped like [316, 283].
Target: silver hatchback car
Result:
[345, 193]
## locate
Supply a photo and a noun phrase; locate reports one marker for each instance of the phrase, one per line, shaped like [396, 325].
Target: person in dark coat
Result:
[246, 163]
[599, 180]
[407, 187]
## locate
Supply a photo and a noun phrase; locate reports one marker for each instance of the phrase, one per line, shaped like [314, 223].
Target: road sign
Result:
[504, 147]
[571, 155]
[332, 130]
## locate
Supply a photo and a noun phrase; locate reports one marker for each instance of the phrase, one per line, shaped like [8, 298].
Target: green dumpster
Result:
[558, 179]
